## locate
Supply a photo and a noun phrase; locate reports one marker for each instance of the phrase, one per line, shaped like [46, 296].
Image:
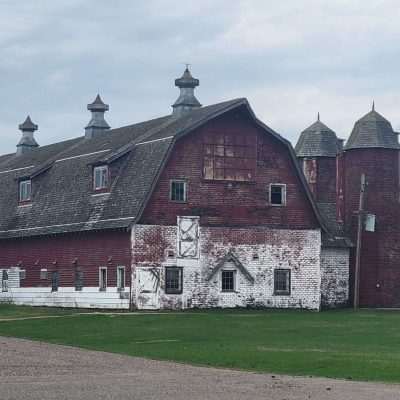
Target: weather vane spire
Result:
[373, 105]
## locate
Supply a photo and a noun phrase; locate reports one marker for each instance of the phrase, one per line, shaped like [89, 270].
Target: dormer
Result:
[25, 191]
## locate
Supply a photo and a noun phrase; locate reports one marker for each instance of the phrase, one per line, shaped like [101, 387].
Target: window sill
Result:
[173, 293]
[281, 294]
[101, 193]
[228, 291]
[277, 205]
[25, 204]
[227, 181]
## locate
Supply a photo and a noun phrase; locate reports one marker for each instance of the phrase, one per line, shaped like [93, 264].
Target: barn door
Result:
[148, 288]
[188, 237]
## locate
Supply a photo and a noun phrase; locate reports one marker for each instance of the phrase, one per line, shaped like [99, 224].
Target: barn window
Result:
[100, 177]
[228, 280]
[22, 274]
[25, 189]
[78, 280]
[54, 281]
[178, 191]
[282, 281]
[173, 280]
[229, 157]
[4, 281]
[277, 194]
[103, 279]
[121, 278]
[43, 273]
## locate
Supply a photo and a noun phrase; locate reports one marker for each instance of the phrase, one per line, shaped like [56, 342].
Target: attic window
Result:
[178, 191]
[100, 177]
[25, 190]
[229, 157]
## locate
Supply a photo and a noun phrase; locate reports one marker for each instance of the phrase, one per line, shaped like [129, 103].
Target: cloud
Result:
[291, 59]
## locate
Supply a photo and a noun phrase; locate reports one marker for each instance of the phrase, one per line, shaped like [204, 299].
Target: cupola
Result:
[186, 101]
[27, 142]
[97, 125]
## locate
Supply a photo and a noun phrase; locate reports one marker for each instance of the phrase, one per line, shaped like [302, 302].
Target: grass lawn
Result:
[341, 344]
[9, 311]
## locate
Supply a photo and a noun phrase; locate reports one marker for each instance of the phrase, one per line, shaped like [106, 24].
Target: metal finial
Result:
[318, 116]
[373, 105]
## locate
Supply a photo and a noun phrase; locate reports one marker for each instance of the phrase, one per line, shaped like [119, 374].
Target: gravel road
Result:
[34, 370]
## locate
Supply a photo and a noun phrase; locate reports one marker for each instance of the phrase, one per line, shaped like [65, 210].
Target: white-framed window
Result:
[25, 191]
[121, 278]
[178, 191]
[277, 194]
[282, 282]
[22, 274]
[43, 273]
[100, 177]
[103, 279]
[228, 280]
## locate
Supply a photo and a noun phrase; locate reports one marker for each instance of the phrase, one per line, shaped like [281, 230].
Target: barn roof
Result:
[317, 141]
[62, 172]
[372, 131]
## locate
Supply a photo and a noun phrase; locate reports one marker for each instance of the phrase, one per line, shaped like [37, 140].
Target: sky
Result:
[291, 59]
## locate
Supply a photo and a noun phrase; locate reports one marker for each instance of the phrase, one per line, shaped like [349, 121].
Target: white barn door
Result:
[148, 288]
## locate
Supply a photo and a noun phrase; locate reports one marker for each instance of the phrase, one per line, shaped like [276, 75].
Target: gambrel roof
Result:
[62, 175]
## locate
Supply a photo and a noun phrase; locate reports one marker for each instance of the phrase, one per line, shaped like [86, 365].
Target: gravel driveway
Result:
[34, 370]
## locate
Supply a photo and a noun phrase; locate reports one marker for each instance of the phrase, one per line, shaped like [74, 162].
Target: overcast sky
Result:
[291, 59]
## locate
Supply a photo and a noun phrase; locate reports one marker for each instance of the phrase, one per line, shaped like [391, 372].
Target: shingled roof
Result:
[372, 131]
[317, 141]
[62, 172]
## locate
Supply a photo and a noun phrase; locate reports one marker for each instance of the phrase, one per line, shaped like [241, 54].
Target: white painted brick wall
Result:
[334, 277]
[297, 250]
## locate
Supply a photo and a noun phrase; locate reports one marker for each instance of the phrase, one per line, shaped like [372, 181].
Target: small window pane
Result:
[103, 279]
[43, 274]
[100, 176]
[25, 190]
[121, 278]
[277, 194]
[22, 274]
[178, 191]
[228, 281]
[282, 281]
[173, 280]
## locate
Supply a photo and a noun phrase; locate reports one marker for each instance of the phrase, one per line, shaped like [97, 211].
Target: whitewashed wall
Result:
[334, 277]
[296, 250]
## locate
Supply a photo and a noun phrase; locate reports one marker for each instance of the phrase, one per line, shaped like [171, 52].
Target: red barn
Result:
[206, 207]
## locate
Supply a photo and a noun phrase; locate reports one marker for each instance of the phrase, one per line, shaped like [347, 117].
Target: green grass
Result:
[340, 344]
[9, 311]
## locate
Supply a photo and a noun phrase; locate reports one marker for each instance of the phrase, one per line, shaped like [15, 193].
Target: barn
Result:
[204, 207]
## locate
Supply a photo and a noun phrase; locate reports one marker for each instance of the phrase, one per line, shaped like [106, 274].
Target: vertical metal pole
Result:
[358, 248]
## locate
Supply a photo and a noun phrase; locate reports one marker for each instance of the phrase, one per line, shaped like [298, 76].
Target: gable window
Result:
[282, 282]
[228, 280]
[78, 280]
[103, 279]
[100, 177]
[178, 191]
[173, 280]
[54, 281]
[229, 157]
[121, 278]
[25, 190]
[277, 194]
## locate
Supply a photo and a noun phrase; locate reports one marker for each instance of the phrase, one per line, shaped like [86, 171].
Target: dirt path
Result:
[34, 370]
